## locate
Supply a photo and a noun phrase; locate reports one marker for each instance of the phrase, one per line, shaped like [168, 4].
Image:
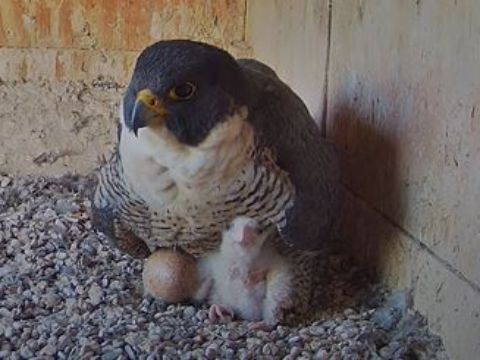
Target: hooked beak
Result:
[147, 111]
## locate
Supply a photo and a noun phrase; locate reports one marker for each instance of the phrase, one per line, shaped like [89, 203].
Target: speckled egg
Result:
[170, 275]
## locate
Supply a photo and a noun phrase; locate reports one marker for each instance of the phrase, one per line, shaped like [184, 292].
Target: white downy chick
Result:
[246, 277]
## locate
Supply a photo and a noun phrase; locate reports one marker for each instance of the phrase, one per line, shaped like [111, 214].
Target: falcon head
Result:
[186, 87]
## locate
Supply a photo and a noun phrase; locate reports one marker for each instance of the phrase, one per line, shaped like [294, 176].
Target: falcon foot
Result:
[220, 314]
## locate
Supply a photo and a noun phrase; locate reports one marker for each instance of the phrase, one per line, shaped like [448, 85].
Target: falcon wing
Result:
[284, 125]
[112, 204]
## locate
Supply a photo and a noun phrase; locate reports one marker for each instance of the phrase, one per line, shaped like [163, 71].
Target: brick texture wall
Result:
[64, 63]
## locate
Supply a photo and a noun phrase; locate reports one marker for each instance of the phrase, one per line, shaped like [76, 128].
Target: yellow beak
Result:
[147, 111]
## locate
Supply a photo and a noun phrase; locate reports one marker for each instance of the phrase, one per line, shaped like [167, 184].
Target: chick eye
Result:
[152, 102]
[182, 92]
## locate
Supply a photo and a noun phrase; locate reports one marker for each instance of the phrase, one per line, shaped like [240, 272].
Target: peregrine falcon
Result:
[204, 138]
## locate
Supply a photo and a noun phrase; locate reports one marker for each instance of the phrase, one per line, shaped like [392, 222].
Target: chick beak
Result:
[148, 111]
[249, 235]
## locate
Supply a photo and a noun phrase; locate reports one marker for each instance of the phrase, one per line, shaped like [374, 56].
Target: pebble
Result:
[95, 294]
[189, 311]
[228, 353]
[321, 354]
[130, 353]
[26, 352]
[112, 354]
[50, 214]
[211, 352]
[63, 206]
[316, 331]
[70, 294]
[59, 227]
[282, 331]
[49, 349]
[63, 341]
[61, 255]
[295, 351]
[5, 182]
[8, 331]
[295, 340]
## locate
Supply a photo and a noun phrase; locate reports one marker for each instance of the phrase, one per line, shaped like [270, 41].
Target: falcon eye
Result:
[182, 92]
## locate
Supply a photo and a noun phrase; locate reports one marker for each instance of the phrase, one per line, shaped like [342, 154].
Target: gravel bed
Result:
[65, 293]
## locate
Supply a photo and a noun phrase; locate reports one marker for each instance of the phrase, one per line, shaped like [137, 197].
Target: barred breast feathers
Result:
[181, 194]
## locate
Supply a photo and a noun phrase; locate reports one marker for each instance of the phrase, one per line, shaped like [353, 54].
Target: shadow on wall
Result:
[362, 123]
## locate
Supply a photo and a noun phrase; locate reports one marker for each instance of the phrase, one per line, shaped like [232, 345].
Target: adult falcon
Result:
[204, 138]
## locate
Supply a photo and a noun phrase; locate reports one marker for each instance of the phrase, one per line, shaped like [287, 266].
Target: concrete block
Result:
[118, 24]
[56, 128]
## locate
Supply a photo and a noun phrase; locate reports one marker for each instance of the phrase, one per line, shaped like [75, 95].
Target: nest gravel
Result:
[65, 293]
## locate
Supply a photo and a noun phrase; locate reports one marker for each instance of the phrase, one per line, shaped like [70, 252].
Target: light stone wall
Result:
[402, 103]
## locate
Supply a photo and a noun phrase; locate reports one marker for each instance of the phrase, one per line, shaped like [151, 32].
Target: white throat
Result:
[163, 171]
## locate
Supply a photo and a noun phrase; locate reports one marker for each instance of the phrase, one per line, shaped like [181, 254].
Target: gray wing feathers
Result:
[283, 124]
